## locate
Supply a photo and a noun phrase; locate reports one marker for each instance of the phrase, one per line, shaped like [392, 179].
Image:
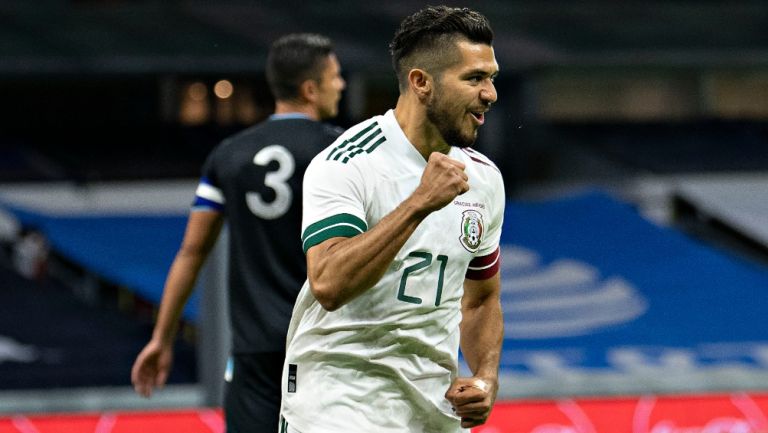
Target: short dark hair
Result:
[293, 59]
[424, 38]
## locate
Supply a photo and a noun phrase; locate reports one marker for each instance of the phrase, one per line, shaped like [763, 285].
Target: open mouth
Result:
[479, 116]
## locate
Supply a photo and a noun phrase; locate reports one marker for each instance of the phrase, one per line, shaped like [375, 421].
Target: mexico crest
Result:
[471, 230]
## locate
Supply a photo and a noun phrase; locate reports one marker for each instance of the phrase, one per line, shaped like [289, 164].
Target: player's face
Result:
[330, 87]
[463, 93]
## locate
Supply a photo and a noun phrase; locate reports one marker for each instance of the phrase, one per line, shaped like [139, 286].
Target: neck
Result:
[411, 115]
[285, 107]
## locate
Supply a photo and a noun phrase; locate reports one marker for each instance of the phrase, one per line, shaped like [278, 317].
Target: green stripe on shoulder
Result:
[341, 225]
[353, 139]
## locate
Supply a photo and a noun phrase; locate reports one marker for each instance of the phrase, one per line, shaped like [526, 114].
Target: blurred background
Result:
[633, 138]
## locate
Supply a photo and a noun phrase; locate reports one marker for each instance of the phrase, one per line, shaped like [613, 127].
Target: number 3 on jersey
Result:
[277, 180]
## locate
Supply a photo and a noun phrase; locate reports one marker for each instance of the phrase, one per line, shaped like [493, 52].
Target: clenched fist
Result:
[472, 399]
[443, 179]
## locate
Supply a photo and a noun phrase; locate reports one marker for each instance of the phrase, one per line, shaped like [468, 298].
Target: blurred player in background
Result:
[253, 181]
[401, 227]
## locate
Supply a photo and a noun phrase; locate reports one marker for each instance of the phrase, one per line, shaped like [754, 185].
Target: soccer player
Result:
[253, 181]
[401, 227]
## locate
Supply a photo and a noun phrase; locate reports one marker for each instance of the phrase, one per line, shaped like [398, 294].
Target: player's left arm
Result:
[482, 332]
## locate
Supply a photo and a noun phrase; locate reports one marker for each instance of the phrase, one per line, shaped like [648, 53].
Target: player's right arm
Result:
[152, 365]
[341, 268]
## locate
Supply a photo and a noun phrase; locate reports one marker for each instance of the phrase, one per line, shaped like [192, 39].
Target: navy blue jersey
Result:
[255, 179]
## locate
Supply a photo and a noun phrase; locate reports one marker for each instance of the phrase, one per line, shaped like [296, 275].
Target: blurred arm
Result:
[153, 363]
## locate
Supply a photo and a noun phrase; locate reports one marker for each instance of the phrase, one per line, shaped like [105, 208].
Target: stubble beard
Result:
[451, 132]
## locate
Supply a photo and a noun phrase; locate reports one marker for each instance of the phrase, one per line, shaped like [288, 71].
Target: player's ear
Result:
[308, 90]
[420, 82]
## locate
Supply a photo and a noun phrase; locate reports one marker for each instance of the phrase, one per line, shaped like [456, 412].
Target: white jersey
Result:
[383, 361]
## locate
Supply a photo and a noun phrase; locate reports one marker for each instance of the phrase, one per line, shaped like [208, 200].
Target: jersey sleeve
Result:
[333, 202]
[208, 195]
[487, 261]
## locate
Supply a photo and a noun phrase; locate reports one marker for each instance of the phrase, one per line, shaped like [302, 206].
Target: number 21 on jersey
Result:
[425, 262]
